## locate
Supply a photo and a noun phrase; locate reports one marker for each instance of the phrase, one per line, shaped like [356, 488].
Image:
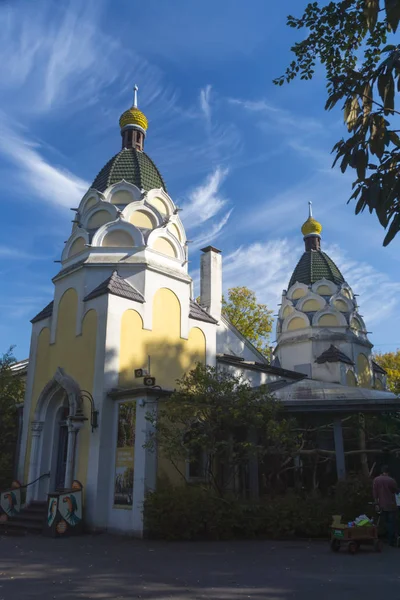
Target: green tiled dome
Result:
[313, 266]
[132, 166]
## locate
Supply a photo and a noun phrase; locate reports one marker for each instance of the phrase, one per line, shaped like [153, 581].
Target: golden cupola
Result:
[133, 123]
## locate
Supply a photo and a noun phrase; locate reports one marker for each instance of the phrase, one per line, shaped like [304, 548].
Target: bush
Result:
[195, 513]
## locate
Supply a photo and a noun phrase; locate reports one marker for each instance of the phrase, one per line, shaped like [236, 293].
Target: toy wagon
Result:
[353, 537]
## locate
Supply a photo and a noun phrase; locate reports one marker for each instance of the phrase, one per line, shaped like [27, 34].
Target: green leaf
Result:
[361, 161]
[389, 95]
[393, 230]
[371, 9]
[392, 13]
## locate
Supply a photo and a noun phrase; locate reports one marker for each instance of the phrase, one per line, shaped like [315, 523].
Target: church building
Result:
[123, 326]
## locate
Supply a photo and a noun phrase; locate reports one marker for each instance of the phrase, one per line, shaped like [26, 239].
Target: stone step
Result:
[21, 525]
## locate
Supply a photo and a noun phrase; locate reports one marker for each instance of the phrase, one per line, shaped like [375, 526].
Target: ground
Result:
[106, 566]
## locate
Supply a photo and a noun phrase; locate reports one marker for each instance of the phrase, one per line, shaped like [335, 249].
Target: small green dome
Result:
[134, 167]
[313, 266]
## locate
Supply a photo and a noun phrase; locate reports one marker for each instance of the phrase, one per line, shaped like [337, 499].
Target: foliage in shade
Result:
[11, 394]
[212, 411]
[390, 361]
[349, 38]
[192, 513]
[252, 319]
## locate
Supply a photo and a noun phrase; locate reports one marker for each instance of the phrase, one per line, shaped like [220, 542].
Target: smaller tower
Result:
[133, 125]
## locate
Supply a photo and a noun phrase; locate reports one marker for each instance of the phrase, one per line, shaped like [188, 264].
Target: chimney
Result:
[211, 281]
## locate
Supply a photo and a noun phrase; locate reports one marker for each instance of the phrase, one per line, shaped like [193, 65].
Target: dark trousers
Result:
[390, 517]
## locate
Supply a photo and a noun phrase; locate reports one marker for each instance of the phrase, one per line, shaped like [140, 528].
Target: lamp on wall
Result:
[94, 414]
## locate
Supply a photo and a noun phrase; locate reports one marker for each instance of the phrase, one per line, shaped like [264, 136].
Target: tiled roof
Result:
[378, 369]
[313, 266]
[69, 269]
[132, 166]
[46, 312]
[198, 313]
[333, 354]
[117, 286]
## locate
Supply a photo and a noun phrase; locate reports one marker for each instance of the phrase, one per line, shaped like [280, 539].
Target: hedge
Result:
[194, 513]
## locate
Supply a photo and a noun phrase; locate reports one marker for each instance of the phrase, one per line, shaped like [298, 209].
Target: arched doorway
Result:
[58, 419]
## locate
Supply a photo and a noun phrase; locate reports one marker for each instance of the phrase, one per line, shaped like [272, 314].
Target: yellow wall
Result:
[324, 290]
[350, 378]
[328, 321]
[141, 219]
[311, 306]
[118, 239]
[297, 323]
[341, 305]
[76, 355]
[164, 246]
[159, 205]
[287, 311]
[298, 293]
[122, 197]
[355, 323]
[77, 246]
[99, 218]
[175, 231]
[170, 354]
[363, 371]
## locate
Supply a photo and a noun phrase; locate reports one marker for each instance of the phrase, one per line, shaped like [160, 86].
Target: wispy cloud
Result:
[378, 293]
[45, 181]
[279, 118]
[17, 254]
[205, 103]
[210, 234]
[205, 201]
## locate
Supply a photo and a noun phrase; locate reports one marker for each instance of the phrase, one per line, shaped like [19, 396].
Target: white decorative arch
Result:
[123, 186]
[346, 289]
[285, 304]
[175, 220]
[295, 315]
[328, 310]
[118, 225]
[78, 233]
[356, 316]
[152, 213]
[310, 296]
[160, 193]
[100, 206]
[89, 200]
[340, 296]
[59, 381]
[162, 232]
[332, 286]
[293, 289]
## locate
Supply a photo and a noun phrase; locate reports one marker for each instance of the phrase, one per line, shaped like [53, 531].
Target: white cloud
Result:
[378, 294]
[279, 118]
[210, 234]
[18, 254]
[205, 103]
[43, 180]
[205, 201]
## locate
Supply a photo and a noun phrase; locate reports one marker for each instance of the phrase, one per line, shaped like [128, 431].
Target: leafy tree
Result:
[390, 361]
[349, 38]
[11, 393]
[223, 417]
[251, 318]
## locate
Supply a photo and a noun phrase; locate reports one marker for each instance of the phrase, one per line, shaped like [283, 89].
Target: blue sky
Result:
[241, 156]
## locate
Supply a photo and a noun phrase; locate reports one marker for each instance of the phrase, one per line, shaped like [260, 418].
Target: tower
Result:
[122, 301]
[320, 331]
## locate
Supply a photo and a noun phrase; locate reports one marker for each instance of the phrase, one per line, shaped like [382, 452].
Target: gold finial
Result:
[133, 116]
[311, 226]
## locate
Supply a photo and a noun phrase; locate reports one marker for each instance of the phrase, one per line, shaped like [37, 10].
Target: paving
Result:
[106, 566]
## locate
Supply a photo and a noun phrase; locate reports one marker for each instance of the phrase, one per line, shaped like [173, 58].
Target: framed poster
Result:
[125, 455]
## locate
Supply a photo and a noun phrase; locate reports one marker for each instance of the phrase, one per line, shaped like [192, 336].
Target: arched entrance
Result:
[58, 419]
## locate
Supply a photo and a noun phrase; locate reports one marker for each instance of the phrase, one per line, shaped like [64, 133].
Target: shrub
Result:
[195, 513]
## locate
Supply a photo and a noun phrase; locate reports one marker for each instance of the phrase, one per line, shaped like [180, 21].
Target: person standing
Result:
[385, 490]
